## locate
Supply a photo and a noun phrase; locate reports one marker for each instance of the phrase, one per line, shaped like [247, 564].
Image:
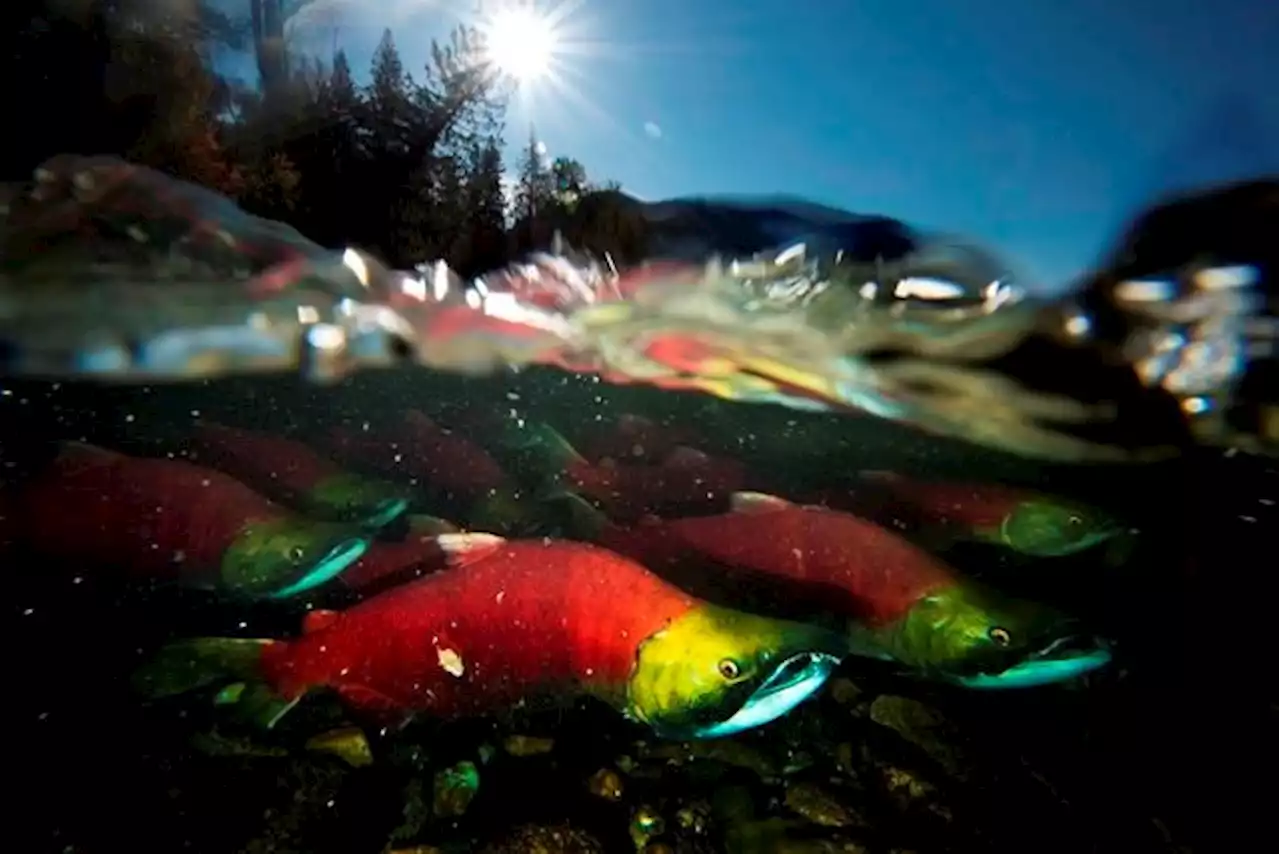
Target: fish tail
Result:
[231, 664]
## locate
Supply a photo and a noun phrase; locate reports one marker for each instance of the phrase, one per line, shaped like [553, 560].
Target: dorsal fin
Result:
[77, 449]
[756, 502]
[682, 456]
[464, 548]
[73, 456]
[429, 526]
[628, 424]
[420, 420]
[319, 619]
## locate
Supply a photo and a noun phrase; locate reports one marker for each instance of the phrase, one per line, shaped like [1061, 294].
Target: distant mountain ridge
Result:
[871, 248]
[740, 226]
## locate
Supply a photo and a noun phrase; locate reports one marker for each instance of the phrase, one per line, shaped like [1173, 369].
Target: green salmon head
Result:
[280, 558]
[714, 672]
[978, 638]
[362, 500]
[1049, 528]
[533, 452]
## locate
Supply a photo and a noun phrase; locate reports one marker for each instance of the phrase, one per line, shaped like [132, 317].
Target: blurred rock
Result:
[348, 744]
[724, 750]
[539, 839]
[913, 794]
[527, 745]
[781, 836]
[694, 817]
[845, 758]
[606, 783]
[844, 691]
[214, 743]
[819, 806]
[416, 811]
[924, 727]
[646, 823]
[454, 789]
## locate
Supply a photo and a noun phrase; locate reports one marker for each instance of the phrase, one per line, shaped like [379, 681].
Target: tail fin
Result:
[233, 663]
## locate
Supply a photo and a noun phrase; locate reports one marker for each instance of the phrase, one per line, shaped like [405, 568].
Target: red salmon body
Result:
[168, 520]
[293, 474]
[259, 459]
[1025, 521]
[964, 505]
[687, 481]
[156, 518]
[386, 563]
[883, 574]
[420, 449]
[635, 438]
[526, 616]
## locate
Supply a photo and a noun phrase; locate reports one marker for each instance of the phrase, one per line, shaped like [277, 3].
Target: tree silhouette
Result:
[408, 166]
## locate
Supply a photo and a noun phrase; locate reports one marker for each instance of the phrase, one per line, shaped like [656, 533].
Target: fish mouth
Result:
[1062, 659]
[330, 565]
[792, 682]
[386, 512]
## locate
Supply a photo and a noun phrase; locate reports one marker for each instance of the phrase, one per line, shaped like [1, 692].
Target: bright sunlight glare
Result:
[520, 42]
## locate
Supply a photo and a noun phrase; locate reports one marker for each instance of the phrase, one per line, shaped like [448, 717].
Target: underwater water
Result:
[1142, 753]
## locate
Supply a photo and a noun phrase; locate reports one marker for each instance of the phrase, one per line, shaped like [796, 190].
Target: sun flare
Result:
[521, 42]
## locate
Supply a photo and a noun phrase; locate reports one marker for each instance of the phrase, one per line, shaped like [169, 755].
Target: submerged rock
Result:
[924, 727]
[348, 744]
[528, 745]
[539, 839]
[606, 783]
[723, 750]
[646, 823]
[454, 789]
[214, 743]
[819, 806]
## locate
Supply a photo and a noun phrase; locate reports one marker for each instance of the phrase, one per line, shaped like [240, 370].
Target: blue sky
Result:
[1036, 127]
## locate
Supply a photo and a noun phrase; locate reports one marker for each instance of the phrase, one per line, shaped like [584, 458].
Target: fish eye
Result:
[296, 554]
[729, 668]
[999, 636]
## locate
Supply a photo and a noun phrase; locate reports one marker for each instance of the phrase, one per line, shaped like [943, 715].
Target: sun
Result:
[520, 41]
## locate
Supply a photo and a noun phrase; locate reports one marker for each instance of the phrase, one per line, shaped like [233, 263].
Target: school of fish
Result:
[485, 564]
